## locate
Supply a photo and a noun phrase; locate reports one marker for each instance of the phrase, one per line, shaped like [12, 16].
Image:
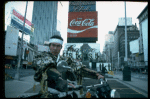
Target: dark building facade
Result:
[119, 43]
[132, 34]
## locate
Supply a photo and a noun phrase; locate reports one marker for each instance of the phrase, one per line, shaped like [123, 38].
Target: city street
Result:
[139, 82]
[136, 88]
[123, 90]
[38, 33]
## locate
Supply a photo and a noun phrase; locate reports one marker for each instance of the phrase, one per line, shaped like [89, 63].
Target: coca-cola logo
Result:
[86, 22]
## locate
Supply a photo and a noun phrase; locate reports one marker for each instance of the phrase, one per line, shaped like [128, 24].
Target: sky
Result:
[108, 15]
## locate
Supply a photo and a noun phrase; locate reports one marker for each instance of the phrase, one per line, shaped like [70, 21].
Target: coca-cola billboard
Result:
[82, 25]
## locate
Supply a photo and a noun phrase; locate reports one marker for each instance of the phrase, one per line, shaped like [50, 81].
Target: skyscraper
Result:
[45, 21]
[119, 42]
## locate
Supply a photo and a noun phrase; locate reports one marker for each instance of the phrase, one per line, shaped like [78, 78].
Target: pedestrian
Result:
[49, 67]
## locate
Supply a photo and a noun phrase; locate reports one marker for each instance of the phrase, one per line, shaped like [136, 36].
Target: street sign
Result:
[134, 46]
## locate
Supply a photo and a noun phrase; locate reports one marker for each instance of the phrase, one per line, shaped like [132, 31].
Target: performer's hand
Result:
[71, 85]
[68, 83]
[100, 76]
[60, 78]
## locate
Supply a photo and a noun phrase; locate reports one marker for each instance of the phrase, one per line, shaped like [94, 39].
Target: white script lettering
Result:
[86, 22]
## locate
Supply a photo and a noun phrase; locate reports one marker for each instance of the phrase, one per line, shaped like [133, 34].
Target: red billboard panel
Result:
[82, 25]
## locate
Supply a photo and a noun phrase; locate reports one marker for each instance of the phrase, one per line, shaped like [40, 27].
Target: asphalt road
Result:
[123, 90]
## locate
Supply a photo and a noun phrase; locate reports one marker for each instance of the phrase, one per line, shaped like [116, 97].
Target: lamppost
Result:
[126, 71]
[126, 52]
[21, 47]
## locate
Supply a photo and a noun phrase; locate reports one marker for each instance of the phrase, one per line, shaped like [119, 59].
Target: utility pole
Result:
[126, 70]
[17, 77]
[112, 62]
[118, 60]
[126, 52]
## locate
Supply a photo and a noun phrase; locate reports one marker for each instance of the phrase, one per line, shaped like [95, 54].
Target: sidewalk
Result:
[141, 86]
[15, 88]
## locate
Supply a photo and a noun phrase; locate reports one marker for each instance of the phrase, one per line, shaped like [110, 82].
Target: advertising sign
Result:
[17, 20]
[134, 46]
[82, 24]
[11, 41]
[21, 17]
[122, 21]
[82, 6]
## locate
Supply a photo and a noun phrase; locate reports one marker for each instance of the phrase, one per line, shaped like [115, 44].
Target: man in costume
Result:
[47, 73]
